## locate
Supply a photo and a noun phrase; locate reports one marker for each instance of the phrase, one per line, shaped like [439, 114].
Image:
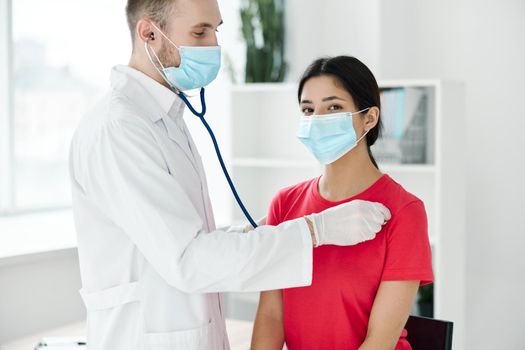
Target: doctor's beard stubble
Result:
[168, 55]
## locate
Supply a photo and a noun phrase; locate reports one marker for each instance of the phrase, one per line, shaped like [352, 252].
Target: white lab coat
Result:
[152, 262]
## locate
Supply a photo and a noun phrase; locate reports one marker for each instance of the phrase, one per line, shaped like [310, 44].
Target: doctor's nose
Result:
[215, 40]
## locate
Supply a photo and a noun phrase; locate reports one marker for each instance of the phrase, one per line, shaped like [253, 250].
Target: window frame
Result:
[6, 110]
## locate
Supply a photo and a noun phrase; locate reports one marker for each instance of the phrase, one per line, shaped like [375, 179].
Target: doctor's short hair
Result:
[159, 11]
[357, 79]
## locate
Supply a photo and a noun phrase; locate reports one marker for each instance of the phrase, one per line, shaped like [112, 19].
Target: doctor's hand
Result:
[348, 224]
[260, 222]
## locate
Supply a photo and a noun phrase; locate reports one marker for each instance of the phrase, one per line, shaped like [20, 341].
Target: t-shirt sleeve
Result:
[273, 217]
[409, 256]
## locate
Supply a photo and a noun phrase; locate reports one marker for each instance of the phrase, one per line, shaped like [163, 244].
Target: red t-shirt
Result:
[333, 312]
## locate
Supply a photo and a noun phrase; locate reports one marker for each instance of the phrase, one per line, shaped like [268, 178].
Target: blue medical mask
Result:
[199, 66]
[329, 137]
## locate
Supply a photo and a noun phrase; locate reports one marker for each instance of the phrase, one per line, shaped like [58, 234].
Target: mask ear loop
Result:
[146, 48]
[361, 111]
[359, 139]
[164, 35]
[366, 132]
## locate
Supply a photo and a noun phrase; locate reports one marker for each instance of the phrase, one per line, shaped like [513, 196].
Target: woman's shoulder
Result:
[287, 201]
[398, 197]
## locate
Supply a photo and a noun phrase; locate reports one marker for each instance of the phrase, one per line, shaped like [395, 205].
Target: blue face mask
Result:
[199, 66]
[329, 137]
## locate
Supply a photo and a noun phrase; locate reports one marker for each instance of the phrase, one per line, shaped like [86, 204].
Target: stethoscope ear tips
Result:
[152, 36]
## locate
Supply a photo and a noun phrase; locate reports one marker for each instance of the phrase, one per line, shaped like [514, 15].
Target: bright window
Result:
[59, 61]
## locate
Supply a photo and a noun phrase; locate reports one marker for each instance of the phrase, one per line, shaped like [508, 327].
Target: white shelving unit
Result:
[267, 157]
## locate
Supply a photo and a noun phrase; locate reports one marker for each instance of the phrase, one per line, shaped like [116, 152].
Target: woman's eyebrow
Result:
[331, 98]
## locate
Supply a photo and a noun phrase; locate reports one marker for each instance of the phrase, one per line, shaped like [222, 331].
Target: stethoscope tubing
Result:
[217, 151]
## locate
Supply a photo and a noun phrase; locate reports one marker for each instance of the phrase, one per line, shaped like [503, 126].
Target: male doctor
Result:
[152, 261]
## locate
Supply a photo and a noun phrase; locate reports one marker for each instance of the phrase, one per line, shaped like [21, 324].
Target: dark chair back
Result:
[429, 334]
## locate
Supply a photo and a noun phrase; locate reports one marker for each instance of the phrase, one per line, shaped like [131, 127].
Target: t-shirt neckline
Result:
[368, 191]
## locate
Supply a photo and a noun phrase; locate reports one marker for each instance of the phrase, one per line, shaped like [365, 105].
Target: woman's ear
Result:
[371, 118]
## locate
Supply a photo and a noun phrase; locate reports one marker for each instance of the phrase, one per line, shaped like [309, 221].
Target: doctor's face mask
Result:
[199, 65]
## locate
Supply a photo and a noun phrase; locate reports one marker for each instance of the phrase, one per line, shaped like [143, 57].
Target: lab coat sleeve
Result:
[129, 179]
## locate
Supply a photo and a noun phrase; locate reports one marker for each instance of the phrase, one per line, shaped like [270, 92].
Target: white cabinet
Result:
[266, 154]
[267, 157]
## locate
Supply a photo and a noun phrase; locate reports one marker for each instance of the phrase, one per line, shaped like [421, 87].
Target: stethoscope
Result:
[206, 125]
[217, 149]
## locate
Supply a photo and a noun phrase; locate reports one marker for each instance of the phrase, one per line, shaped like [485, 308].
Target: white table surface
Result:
[239, 333]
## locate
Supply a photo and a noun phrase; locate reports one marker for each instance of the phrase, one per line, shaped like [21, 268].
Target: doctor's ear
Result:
[371, 118]
[145, 31]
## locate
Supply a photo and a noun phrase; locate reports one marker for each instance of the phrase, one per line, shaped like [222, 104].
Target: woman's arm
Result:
[389, 315]
[268, 332]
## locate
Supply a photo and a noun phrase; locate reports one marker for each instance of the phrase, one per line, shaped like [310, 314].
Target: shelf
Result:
[255, 162]
[273, 163]
[279, 87]
[426, 83]
[408, 168]
[264, 87]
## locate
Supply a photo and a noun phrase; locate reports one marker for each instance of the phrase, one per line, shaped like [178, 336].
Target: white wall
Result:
[483, 44]
[331, 27]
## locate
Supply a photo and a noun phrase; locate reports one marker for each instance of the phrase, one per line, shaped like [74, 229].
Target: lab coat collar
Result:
[156, 101]
[159, 102]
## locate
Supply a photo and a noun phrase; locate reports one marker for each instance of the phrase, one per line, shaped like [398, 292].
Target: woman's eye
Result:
[307, 110]
[334, 108]
[199, 34]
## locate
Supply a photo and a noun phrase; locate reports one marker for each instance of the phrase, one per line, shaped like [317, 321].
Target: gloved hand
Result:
[349, 223]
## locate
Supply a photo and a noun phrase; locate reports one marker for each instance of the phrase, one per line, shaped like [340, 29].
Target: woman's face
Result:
[325, 95]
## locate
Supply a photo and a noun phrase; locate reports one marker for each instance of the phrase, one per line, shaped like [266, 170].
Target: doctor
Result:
[151, 259]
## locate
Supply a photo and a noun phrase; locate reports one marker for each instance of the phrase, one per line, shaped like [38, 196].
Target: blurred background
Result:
[451, 75]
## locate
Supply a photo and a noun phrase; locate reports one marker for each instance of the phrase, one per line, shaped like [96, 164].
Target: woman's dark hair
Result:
[357, 79]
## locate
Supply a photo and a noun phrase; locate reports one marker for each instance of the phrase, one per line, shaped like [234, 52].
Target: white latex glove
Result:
[349, 223]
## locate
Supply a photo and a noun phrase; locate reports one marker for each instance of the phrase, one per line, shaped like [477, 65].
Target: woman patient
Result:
[361, 295]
